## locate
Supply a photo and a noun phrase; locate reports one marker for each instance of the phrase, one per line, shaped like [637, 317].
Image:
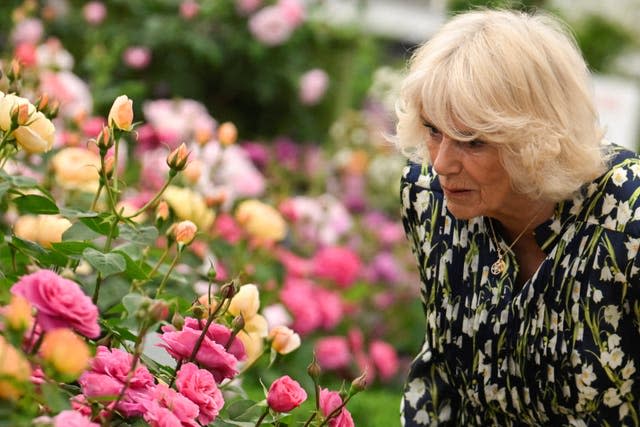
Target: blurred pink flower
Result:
[137, 57]
[293, 10]
[238, 173]
[227, 228]
[384, 268]
[270, 26]
[330, 401]
[69, 90]
[298, 296]
[108, 374]
[70, 418]
[287, 153]
[176, 121]
[384, 358]
[257, 152]
[313, 85]
[285, 394]
[337, 264]
[330, 306]
[189, 9]
[276, 315]
[154, 168]
[26, 54]
[294, 265]
[60, 302]
[180, 406]
[199, 386]
[28, 30]
[212, 354]
[51, 54]
[333, 352]
[92, 126]
[245, 7]
[94, 12]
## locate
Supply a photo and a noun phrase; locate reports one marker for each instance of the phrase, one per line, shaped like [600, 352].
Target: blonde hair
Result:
[517, 81]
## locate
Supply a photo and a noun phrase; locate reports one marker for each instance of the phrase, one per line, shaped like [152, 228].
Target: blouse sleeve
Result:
[429, 398]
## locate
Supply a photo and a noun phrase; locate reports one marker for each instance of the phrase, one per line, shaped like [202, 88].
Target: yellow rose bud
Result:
[184, 232]
[261, 221]
[189, 205]
[121, 113]
[65, 352]
[227, 133]
[245, 302]
[253, 345]
[15, 368]
[177, 159]
[42, 229]
[18, 314]
[76, 168]
[284, 340]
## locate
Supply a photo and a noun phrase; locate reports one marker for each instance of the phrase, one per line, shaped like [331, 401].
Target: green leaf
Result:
[244, 410]
[100, 224]
[106, 264]
[38, 253]
[54, 397]
[73, 213]
[144, 236]
[133, 301]
[79, 231]
[134, 269]
[35, 204]
[73, 249]
[20, 181]
[4, 187]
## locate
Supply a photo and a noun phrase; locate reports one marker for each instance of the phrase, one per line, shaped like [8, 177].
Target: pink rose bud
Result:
[121, 113]
[42, 102]
[159, 310]
[162, 211]
[184, 232]
[177, 159]
[109, 163]
[104, 140]
[22, 114]
[285, 394]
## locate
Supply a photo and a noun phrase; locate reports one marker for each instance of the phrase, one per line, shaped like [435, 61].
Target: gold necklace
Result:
[499, 265]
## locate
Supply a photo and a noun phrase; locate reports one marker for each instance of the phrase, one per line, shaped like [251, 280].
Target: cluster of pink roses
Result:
[273, 25]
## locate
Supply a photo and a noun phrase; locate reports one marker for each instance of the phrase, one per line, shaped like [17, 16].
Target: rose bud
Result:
[121, 113]
[283, 339]
[177, 159]
[285, 394]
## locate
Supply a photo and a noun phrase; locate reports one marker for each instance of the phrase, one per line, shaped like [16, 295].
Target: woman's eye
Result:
[476, 143]
[433, 131]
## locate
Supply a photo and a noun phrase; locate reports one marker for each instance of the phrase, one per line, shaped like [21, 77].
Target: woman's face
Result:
[474, 181]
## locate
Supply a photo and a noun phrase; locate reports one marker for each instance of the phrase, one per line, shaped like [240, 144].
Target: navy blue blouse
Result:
[564, 349]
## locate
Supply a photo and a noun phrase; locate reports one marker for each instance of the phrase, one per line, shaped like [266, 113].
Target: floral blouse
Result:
[562, 350]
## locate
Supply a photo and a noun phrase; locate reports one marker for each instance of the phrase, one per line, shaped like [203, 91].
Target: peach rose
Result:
[261, 221]
[37, 134]
[65, 352]
[14, 366]
[76, 168]
[42, 229]
[121, 113]
[283, 339]
[189, 205]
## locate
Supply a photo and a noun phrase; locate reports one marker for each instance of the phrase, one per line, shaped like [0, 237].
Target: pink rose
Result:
[212, 354]
[159, 416]
[245, 7]
[285, 394]
[298, 296]
[108, 374]
[180, 406]
[227, 228]
[329, 402]
[61, 303]
[137, 57]
[313, 85]
[71, 418]
[330, 306]
[384, 358]
[199, 386]
[333, 352]
[270, 26]
[295, 265]
[94, 12]
[28, 30]
[189, 9]
[338, 264]
[293, 10]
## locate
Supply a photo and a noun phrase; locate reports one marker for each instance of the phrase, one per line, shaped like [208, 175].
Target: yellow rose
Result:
[245, 302]
[261, 221]
[76, 168]
[12, 365]
[121, 113]
[257, 325]
[37, 135]
[42, 229]
[284, 340]
[189, 205]
[65, 352]
[7, 104]
[253, 345]
[17, 314]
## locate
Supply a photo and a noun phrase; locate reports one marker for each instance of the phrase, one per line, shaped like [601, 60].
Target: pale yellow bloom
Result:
[37, 135]
[283, 339]
[77, 168]
[18, 314]
[65, 352]
[13, 365]
[189, 205]
[184, 232]
[261, 221]
[245, 302]
[253, 345]
[42, 229]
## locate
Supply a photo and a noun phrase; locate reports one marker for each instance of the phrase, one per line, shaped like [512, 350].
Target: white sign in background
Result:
[618, 102]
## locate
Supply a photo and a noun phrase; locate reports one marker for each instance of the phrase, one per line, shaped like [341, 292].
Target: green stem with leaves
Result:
[262, 417]
[165, 279]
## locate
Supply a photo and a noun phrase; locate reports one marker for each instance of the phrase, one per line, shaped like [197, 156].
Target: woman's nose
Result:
[446, 159]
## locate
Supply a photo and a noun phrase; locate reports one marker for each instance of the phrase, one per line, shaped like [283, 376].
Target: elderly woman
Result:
[526, 228]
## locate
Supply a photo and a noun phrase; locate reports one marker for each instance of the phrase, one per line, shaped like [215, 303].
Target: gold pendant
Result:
[498, 267]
